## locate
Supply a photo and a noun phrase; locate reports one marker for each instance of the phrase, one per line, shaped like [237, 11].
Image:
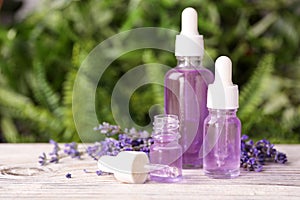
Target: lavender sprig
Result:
[43, 159]
[108, 129]
[127, 140]
[255, 155]
[54, 154]
[71, 149]
[107, 147]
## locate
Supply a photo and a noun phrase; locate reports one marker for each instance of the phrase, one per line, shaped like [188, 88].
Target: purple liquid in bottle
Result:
[222, 128]
[186, 97]
[222, 144]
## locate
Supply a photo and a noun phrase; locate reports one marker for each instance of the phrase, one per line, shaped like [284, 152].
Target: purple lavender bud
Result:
[144, 134]
[107, 129]
[280, 158]
[135, 143]
[43, 159]
[52, 142]
[99, 172]
[71, 150]
[255, 151]
[68, 175]
[258, 168]
[270, 151]
[150, 141]
[132, 131]
[244, 137]
[243, 146]
[122, 136]
[54, 159]
[250, 142]
[261, 158]
[251, 161]
[145, 149]
[55, 148]
[128, 149]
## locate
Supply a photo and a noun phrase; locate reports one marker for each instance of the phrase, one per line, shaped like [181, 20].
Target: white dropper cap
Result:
[189, 42]
[127, 166]
[223, 94]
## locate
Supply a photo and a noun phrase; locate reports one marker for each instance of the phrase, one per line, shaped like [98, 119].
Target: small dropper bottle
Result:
[166, 150]
[222, 128]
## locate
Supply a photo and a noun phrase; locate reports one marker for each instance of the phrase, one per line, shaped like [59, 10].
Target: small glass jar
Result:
[165, 151]
[222, 144]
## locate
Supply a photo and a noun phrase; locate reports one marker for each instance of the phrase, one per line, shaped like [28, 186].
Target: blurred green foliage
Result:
[40, 57]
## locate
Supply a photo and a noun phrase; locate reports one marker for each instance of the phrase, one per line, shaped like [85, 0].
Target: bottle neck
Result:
[166, 136]
[222, 112]
[165, 128]
[189, 61]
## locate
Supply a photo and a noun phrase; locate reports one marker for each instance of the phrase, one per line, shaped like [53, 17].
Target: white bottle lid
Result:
[189, 42]
[127, 166]
[223, 94]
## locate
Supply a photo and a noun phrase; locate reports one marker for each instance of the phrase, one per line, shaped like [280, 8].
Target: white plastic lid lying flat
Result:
[127, 166]
[223, 94]
[189, 42]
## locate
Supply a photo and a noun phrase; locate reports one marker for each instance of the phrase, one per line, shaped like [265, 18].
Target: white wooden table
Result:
[22, 177]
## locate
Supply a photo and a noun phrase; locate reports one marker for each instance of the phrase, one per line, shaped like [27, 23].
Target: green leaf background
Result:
[40, 57]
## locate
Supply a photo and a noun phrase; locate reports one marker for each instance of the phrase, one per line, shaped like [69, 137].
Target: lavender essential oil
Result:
[186, 89]
[222, 128]
[222, 143]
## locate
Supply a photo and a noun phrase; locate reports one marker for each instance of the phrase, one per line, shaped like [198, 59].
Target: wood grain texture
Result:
[22, 177]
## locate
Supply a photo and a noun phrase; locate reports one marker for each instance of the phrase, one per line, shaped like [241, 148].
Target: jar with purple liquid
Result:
[165, 151]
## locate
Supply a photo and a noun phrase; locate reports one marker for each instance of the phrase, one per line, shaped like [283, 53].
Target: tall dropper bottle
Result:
[186, 89]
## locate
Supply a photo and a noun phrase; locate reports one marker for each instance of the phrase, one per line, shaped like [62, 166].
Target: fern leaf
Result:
[252, 93]
[21, 107]
[291, 118]
[47, 96]
[9, 130]
[70, 130]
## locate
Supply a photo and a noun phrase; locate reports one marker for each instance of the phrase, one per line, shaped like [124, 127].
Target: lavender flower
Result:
[99, 172]
[54, 159]
[95, 151]
[257, 167]
[244, 137]
[127, 140]
[71, 149]
[109, 146]
[54, 154]
[55, 148]
[108, 129]
[43, 159]
[254, 155]
[280, 158]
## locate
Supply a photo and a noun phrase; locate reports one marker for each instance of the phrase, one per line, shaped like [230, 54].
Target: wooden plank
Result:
[22, 177]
